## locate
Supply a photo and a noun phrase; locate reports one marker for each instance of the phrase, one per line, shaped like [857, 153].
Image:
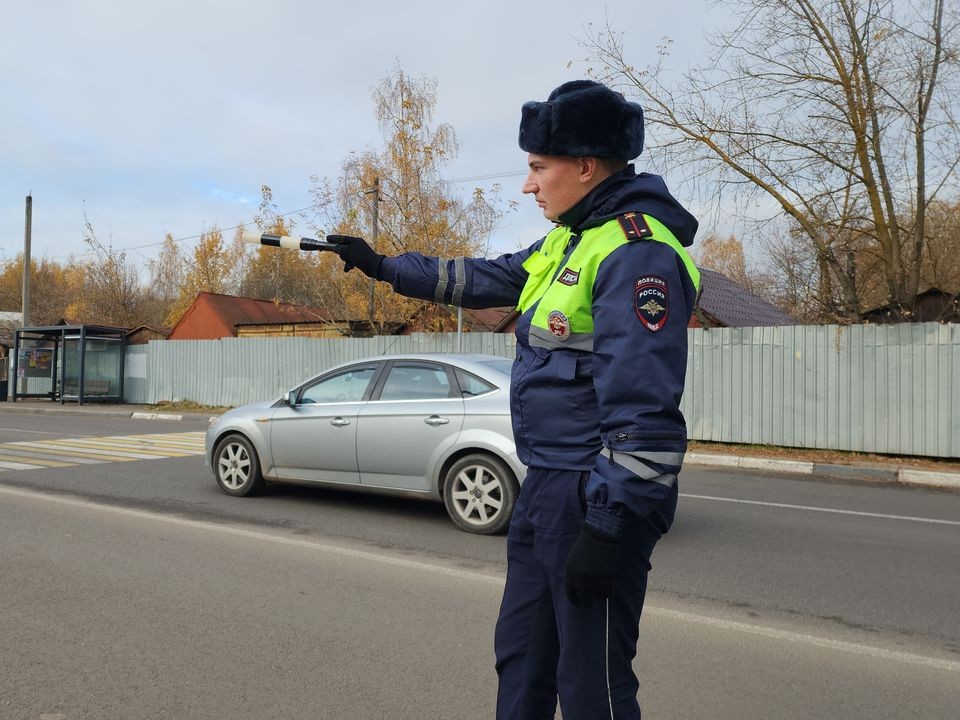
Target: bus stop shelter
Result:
[77, 363]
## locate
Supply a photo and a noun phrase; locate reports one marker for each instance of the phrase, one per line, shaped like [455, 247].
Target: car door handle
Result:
[436, 420]
[339, 422]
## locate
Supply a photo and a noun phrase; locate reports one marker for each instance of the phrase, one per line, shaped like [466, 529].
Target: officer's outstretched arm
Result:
[643, 298]
[463, 282]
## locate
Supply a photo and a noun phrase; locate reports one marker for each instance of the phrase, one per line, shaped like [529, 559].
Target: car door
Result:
[412, 419]
[316, 439]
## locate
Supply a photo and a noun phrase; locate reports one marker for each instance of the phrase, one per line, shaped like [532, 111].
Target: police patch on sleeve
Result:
[651, 302]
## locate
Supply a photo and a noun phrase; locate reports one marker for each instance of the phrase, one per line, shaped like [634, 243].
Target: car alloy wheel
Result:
[236, 466]
[479, 493]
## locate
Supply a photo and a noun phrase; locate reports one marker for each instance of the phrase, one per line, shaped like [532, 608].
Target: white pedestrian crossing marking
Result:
[67, 452]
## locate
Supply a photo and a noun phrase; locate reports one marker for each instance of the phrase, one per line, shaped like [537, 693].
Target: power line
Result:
[492, 176]
[451, 181]
[200, 235]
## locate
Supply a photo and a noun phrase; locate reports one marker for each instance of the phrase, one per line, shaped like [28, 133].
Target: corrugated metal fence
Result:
[234, 371]
[870, 388]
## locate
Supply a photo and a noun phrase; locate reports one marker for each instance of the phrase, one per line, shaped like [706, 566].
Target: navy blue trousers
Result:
[547, 649]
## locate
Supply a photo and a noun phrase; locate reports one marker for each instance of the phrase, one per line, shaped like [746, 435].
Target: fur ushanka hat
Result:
[582, 118]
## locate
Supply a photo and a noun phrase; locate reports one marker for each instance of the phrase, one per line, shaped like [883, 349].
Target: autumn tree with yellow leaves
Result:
[280, 275]
[211, 268]
[416, 212]
[54, 288]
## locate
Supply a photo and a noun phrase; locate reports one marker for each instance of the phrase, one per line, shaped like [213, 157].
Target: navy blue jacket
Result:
[615, 411]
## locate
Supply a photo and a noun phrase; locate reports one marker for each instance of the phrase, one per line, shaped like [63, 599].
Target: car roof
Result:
[475, 362]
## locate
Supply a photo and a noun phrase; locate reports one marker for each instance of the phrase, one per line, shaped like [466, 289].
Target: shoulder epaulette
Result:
[634, 226]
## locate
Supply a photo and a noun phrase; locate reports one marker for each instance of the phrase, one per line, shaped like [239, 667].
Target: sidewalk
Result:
[137, 412]
[890, 472]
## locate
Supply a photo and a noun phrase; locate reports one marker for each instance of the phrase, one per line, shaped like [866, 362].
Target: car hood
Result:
[244, 409]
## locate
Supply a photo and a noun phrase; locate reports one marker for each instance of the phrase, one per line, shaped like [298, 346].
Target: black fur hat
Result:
[582, 118]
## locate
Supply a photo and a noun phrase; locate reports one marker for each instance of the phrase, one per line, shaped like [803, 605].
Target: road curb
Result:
[855, 472]
[155, 416]
[794, 467]
[94, 411]
[69, 411]
[929, 479]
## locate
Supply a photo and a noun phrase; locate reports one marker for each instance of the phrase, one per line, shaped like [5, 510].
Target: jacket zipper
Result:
[646, 436]
[621, 437]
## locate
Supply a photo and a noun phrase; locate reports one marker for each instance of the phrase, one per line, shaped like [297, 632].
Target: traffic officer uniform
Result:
[605, 299]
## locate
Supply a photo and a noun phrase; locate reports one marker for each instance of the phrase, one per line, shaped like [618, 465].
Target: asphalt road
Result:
[136, 589]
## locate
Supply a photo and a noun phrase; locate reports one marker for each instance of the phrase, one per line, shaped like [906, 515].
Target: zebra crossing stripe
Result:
[186, 442]
[17, 466]
[190, 438]
[131, 450]
[28, 455]
[68, 454]
[86, 449]
[67, 459]
[7, 459]
[182, 446]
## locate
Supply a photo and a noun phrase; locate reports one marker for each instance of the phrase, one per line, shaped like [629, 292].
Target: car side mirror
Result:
[292, 398]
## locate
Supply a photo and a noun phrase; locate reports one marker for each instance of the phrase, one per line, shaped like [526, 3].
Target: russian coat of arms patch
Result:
[651, 302]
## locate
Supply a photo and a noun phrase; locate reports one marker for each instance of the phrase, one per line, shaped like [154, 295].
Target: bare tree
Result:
[843, 112]
[112, 293]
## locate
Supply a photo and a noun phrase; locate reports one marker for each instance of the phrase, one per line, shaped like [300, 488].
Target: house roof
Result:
[732, 305]
[159, 329]
[247, 311]
[932, 305]
[487, 319]
[925, 290]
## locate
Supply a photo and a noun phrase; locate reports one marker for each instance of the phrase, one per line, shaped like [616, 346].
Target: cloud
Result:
[168, 115]
[229, 196]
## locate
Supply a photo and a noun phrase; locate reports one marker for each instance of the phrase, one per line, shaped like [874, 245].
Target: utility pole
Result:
[27, 230]
[373, 242]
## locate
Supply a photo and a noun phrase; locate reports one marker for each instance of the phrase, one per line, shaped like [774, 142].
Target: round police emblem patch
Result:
[651, 302]
[559, 325]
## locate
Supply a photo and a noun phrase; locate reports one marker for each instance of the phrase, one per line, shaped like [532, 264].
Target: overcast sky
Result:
[157, 117]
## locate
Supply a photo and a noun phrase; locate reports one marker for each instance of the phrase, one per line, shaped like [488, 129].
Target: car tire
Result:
[479, 493]
[236, 466]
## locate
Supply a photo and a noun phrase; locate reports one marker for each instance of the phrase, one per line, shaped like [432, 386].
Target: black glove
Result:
[590, 567]
[356, 253]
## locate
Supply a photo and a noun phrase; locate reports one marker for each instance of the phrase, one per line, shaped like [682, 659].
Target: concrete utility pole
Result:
[373, 242]
[27, 230]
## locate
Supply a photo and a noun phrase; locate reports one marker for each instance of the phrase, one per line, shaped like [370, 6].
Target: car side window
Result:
[409, 381]
[347, 386]
[471, 385]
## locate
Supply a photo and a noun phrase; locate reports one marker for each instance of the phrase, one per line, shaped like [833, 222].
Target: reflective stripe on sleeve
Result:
[661, 458]
[460, 275]
[640, 468]
[441, 280]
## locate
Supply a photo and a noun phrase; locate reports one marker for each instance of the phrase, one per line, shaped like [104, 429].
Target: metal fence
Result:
[870, 388]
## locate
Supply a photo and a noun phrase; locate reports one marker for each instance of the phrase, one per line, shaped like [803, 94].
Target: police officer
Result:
[605, 298]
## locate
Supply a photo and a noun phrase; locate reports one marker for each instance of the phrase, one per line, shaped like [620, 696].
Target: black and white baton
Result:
[285, 241]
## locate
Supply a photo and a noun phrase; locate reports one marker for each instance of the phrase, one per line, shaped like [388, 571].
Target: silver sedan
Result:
[431, 426]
